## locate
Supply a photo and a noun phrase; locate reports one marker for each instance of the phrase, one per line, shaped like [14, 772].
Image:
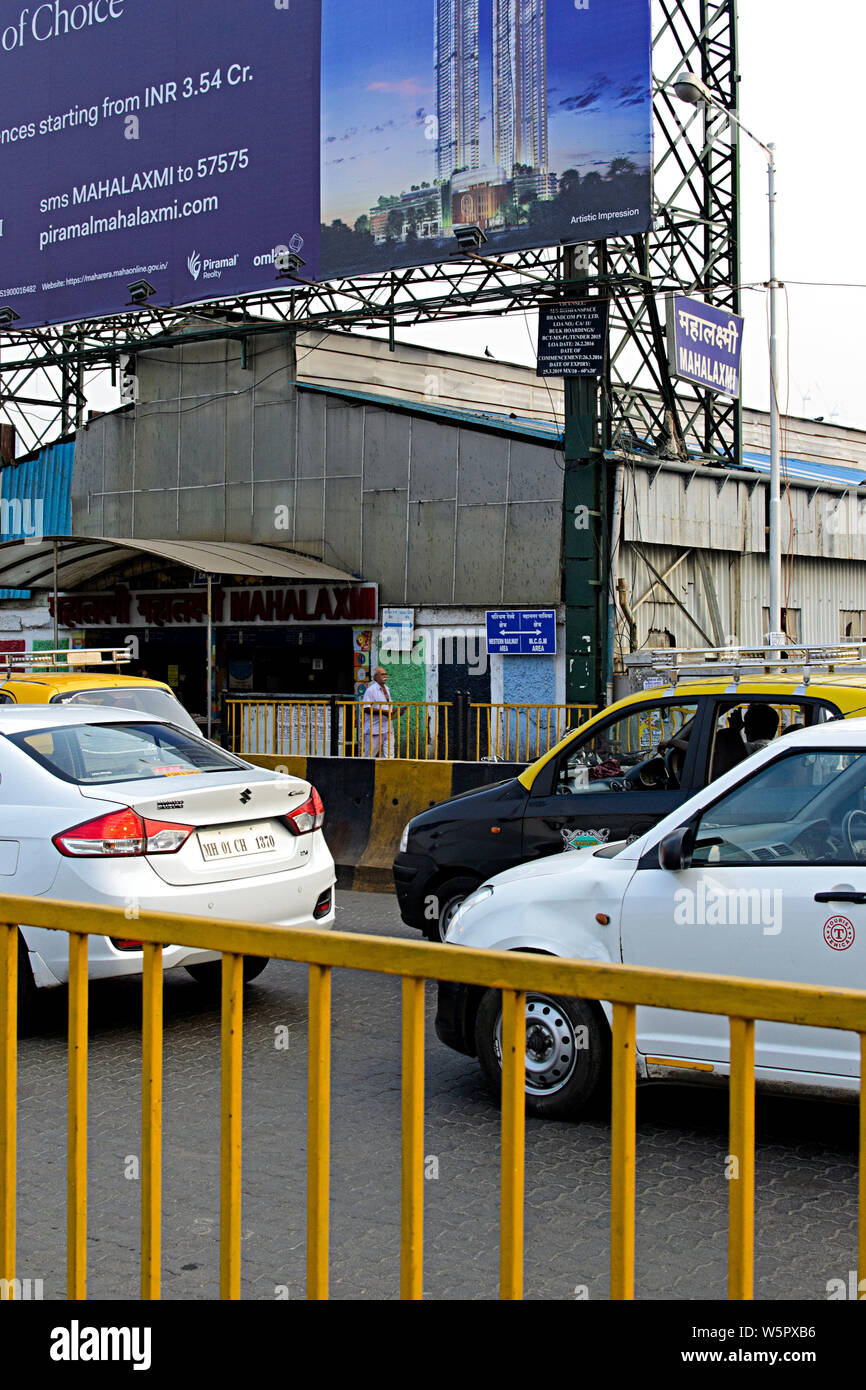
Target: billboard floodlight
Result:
[468, 236]
[689, 87]
[140, 291]
[7, 316]
[287, 264]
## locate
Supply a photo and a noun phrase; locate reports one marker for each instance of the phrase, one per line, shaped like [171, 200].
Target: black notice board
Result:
[572, 338]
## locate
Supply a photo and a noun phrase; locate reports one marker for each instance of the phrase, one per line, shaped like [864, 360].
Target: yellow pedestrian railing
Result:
[340, 728]
[404, 729]
[522, 733]
[288, 727]
[514, 973]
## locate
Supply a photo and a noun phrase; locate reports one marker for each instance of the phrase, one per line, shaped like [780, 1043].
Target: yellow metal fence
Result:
[408, 729]
[522, 733]
[514, 973]
[425, 729]
[340, 728]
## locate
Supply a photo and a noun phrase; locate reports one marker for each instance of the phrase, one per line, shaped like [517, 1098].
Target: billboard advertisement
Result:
[531, 119]
[175, 141]
[185, 142]
[705, 344]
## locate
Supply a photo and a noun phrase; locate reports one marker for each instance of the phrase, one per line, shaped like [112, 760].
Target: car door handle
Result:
[839, 895]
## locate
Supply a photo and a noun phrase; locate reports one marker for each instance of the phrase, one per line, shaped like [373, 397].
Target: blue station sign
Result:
[521, 632]
[705, 344]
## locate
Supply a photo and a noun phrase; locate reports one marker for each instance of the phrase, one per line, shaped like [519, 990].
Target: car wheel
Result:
[26, 989]
[210, 973]
[567, 1052]
[448, 899]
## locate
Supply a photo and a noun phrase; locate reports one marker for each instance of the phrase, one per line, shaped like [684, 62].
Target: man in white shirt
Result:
[376, 728]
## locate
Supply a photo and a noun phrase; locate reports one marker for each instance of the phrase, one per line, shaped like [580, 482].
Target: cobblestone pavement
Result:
[806, 1171]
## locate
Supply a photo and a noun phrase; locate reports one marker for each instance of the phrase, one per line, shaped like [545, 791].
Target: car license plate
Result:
[236, 842]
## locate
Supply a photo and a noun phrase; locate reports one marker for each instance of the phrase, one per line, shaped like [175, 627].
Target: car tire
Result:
[210, 973]
[448, 899]
[27, 991]
[568, 1052]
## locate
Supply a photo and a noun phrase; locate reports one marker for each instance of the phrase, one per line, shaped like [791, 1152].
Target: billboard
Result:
[531, 119]
[705, 344]
[180, 141]
[175, 141]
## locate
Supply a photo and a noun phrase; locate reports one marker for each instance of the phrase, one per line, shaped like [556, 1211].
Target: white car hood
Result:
[569, 862]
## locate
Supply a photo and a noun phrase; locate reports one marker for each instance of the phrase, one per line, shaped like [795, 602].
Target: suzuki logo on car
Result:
[245, 795]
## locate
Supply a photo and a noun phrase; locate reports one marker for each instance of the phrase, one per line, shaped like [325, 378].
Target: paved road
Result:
[806, 1174]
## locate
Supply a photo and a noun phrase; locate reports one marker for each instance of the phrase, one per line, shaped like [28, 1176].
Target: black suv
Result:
[611, 779]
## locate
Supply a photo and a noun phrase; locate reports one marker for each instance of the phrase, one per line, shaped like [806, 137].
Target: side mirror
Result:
[675, 850]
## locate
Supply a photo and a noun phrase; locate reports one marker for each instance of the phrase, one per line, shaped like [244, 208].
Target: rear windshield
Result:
[144, 699]
[93, 753]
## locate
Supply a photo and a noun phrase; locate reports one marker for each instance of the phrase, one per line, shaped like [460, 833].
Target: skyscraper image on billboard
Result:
[531, 119]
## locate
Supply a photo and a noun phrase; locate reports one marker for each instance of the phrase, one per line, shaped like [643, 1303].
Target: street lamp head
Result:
[689, 87]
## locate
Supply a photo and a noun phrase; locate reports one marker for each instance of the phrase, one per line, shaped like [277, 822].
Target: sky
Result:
[802, 72]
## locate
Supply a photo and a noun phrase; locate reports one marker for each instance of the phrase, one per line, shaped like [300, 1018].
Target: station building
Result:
[325, 483]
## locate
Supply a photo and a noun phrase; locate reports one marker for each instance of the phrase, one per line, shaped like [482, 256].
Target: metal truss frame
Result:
[45, 372]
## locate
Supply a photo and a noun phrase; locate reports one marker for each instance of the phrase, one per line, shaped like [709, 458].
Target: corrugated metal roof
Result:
[506, 421]
[80, 559]
[36, 497]
[805, 470]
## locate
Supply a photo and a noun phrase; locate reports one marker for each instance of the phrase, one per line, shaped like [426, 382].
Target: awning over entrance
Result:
[31, 564]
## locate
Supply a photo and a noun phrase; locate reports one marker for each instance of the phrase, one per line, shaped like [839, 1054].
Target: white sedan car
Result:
[761, 874]
[123, 810]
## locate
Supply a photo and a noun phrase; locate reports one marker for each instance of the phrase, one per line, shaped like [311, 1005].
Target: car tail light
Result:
[125, 943]
[165, 836]
[121, 833]
[309, 816]
[323, 905]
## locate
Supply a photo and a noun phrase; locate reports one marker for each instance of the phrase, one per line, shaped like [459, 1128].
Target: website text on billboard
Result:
[177, 139]
[531, 119]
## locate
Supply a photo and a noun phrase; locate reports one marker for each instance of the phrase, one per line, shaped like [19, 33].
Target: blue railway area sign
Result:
[521, 632]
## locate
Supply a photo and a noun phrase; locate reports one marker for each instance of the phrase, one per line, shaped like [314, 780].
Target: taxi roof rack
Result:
[61, 660]
[677, 663]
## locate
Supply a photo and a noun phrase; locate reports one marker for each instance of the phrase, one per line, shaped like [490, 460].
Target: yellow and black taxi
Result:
[79, 678]
[615, 776]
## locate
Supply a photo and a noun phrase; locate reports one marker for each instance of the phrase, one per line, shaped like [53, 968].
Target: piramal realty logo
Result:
[212, 269]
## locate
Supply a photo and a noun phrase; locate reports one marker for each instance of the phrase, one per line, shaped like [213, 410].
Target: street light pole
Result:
[692, 89]
[775, 459]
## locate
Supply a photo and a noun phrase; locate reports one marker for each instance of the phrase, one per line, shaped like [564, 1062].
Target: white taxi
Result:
[761, 874]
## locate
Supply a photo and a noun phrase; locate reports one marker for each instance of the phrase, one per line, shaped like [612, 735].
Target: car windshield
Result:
[807, 808]
[141, 698]
[645, 747]
[93, 753]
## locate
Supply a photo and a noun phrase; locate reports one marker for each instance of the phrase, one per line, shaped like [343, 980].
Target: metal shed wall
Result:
[820, 589]
[440, 509]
